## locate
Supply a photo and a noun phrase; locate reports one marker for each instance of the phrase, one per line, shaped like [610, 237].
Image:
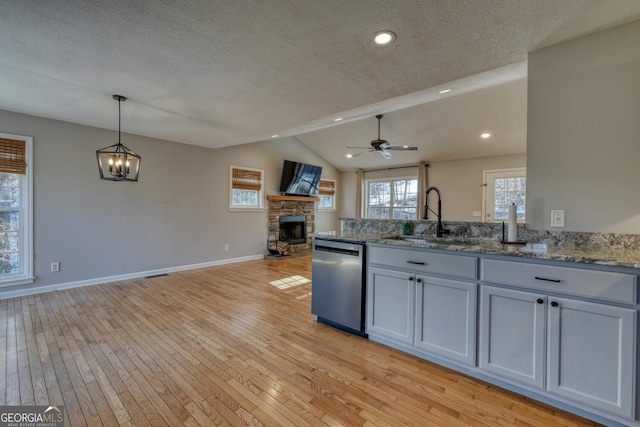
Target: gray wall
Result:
[460, 182]
[583, 142]
[176, 215]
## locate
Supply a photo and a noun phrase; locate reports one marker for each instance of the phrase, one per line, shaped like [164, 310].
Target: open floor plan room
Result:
[229, 345]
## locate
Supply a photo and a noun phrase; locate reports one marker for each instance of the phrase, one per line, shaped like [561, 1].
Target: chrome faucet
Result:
[440, 230]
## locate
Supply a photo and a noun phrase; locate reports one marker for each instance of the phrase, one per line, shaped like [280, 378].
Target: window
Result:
[246, 188]
[16, 257]
[504, 187]
[392, 198]
[327, 194]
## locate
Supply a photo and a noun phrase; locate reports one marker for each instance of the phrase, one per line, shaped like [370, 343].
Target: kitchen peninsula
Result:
[555, 320]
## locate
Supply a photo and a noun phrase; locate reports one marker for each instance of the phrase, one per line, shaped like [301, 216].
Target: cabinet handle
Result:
[540, 301]
[554, 304]
[548, 280]
[411, 279]
[417, 262]
[419, 280]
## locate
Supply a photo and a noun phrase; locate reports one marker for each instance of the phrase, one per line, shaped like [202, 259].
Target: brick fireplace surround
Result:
[291, 205]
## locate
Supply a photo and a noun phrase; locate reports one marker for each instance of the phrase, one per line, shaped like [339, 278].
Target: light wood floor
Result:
[222, 346]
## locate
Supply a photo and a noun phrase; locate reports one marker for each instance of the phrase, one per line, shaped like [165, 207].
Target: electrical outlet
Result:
[226, 247]
[55, 267]
[557, 219]
[477, 213]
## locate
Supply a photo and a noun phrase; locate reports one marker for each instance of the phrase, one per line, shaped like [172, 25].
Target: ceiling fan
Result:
[382, 146]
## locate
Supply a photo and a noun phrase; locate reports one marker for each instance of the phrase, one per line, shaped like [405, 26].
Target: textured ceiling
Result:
[219, 73]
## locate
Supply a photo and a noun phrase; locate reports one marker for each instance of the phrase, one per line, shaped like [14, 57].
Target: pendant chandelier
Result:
[117, 162]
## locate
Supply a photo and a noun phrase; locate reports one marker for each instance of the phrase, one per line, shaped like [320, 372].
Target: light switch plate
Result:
[477, 213]
[557, 219]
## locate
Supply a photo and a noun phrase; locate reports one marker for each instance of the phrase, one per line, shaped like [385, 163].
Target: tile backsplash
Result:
[484, 231]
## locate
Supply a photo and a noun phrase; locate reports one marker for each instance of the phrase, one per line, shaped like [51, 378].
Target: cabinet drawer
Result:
[425, 262]
[603, 285]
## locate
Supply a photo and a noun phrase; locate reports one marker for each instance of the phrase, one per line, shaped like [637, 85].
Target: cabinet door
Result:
[391, 304]
[592, 354]
[512, 334]
[446, 318]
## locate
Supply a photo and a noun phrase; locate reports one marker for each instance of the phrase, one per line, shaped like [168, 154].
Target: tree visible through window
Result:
[9, 223]
[506, 192]
[16, 259]
[392, 199]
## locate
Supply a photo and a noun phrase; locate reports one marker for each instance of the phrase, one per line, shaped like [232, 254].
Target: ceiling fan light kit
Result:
[381, 146]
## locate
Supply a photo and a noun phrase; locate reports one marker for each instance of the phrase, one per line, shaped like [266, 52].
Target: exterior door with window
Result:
[502, 188]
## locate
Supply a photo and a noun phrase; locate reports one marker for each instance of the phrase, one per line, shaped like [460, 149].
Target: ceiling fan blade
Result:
[385, 154]
[362, 152]
[402, 148]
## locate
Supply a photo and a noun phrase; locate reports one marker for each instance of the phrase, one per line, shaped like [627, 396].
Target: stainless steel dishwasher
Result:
[338, 284]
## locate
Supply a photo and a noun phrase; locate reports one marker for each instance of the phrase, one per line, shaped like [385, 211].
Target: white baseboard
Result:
[32, 290]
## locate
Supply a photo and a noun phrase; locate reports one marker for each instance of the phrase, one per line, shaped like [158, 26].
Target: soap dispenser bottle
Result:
[406, 228]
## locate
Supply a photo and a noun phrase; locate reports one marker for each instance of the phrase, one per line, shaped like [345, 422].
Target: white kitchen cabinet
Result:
[564, 333]
[446, 318]
[604, 286]
[512, 335]
[591, 354]
[423, 262]
[586, 349]
[408, 303]
[391, 304]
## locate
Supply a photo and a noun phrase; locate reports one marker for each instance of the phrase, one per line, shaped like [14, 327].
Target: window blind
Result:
[243, 179]
[327, 188]
[12, 156]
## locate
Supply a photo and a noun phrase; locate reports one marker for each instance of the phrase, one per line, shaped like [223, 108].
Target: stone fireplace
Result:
[297, 214]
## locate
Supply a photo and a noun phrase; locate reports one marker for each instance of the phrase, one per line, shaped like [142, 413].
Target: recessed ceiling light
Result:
[274, 136]
[485, 135]
[338, 119]
[349, 155]
[383, 37]
[445, 91]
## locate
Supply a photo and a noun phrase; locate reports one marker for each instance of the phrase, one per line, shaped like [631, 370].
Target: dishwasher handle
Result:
[340, 251]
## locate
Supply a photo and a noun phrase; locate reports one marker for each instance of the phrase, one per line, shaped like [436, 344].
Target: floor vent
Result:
[156, 275]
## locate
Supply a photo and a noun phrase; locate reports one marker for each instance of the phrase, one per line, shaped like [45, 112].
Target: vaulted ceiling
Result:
[221, 73]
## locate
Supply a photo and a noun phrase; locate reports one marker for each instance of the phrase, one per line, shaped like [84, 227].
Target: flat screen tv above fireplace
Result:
[300, 179]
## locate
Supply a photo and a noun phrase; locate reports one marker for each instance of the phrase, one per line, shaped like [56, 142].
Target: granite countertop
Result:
[586, 254]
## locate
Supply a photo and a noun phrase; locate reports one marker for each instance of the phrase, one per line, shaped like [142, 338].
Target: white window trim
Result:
[484, 189]
[333, 198]
[365, 200]
[26, 220]
[236, 208]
